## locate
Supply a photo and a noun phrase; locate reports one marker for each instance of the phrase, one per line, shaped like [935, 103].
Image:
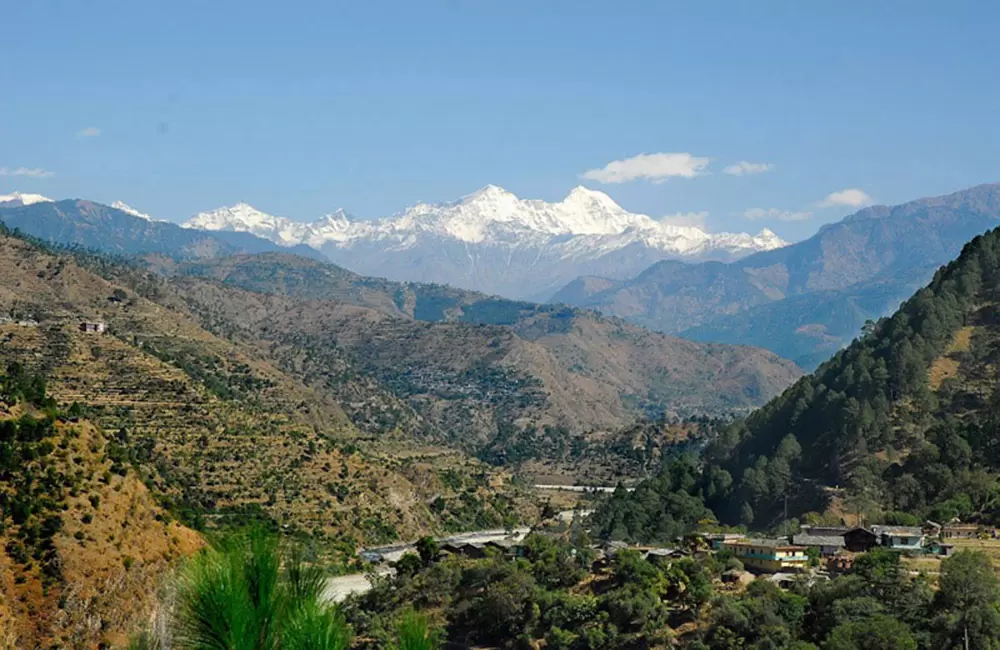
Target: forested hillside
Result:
[903, 420]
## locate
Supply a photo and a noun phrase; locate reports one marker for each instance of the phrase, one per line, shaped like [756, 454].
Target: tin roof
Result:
[804, 539]
[825, 530]
[903, 531]
[767, 543]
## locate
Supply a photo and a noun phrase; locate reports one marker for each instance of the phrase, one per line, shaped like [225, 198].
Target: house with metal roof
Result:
[664, 555]
[826, 544]
[960, 531]
[900, 538]
[717, 540]
[837, 531]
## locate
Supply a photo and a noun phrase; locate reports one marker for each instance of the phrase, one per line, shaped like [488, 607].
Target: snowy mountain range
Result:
[495, 242]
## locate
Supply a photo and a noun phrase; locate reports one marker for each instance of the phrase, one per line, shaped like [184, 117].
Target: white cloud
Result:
[695, 219]
[655, 167]
[89, 132]
[852, 197]
[756, 214]
[26, 172]
[744, 168]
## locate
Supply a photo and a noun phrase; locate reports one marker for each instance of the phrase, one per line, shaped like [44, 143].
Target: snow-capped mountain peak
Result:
[22, 198]
[125, 207]
[243, 217]
[502, 243]
[489, 193]
[584, 196]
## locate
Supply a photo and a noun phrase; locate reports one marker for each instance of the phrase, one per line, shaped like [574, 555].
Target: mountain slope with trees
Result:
[806, 300]
[903, 420]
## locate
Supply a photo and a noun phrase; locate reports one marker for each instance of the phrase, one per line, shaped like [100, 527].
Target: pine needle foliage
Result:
[251, 593]
[414, 632]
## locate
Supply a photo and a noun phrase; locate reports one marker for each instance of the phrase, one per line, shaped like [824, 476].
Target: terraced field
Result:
[217, 430]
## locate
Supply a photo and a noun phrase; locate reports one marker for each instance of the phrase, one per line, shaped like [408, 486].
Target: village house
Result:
[782, 579]
[960, 531]
[506, 547]
[837, 531]
[827, 545]
[474, 551]
[768, 555]
[93, 327]
[839, 563]
[860, 540]
[900, 538]
[939, 548]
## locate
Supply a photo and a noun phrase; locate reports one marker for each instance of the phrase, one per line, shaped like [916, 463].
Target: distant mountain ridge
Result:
[808, 299]
[495, 242]
[125, 231]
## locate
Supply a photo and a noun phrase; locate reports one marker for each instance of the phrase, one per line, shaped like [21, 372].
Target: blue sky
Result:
[303, 107]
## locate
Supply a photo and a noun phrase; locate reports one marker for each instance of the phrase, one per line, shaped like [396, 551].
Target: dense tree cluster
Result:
[662, 508]
[549, 593]
[878, 605]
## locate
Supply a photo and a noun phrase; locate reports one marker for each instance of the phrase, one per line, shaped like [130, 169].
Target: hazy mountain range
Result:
[806, 300]
[125, 231]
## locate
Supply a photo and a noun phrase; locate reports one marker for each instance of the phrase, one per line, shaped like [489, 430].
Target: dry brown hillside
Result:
[219, 431]
[83, 545]
[577, 371]
[470, 364]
